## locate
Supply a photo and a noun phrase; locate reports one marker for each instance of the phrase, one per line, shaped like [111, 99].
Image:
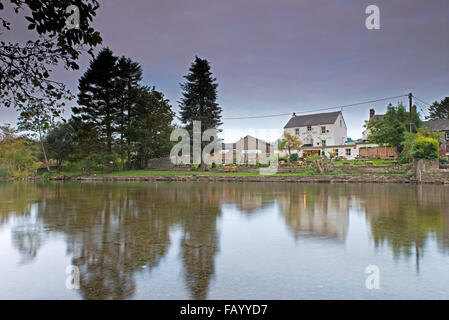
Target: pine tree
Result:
[439, 110]
[97, 99]
[199, 98]
[129, 76]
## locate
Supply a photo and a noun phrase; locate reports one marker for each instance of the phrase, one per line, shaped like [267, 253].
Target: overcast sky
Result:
[281, 56]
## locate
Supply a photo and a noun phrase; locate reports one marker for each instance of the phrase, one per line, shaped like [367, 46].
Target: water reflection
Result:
[114, 230]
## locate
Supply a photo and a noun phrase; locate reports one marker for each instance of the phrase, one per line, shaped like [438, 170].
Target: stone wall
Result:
[160, 163]
[428, 171]
[366, 178]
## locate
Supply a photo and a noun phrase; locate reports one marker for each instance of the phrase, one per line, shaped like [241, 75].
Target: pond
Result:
[223, 241]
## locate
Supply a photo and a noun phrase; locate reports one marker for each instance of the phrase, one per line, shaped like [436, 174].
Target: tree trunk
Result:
[322, 165]
[43, 150]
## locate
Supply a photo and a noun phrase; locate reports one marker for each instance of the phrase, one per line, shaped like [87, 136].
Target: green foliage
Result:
[117, 116]
[411, 148]
[17, 154]
[289, 142]
[29, 63]
[60, 142]
[389, 130]
[425, 148]
[294, 157]
[199, 101]
[94, 162]
[313, 157]
[283, 159]
[444, 160]
[97, 98]
[151, 126]
[439, 110]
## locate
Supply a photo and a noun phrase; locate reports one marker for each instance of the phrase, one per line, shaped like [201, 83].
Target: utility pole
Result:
[410, 95]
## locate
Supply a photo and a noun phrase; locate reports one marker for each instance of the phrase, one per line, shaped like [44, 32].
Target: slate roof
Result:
[437, 125]
[313, 119]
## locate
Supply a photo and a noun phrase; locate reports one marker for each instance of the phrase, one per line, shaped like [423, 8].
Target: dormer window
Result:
[309, 128]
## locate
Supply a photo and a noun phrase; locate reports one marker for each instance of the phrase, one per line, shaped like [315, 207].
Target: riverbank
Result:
[292, 178]
[392, 174]
[334, 177]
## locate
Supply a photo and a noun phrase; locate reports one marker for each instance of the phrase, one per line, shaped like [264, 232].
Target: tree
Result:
[7, 132]
[410, 144]
[289, 142]
[199, 101]
[152, 127]
[129, 76]
[439, 110]
[97, 99]
[37, 120]
[25, 68]
[17, 154]
[389, 130]
[60, 142]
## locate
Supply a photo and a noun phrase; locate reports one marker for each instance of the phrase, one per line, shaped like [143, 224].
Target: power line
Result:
[422, 101]
[315, 110]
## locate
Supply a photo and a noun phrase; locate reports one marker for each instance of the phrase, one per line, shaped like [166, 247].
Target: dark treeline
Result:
[117, 124]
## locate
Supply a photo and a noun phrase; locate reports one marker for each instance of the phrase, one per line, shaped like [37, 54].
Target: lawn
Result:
[374, 162]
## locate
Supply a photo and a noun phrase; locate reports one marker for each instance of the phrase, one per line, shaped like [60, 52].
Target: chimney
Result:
[293, 115]
[371, 114]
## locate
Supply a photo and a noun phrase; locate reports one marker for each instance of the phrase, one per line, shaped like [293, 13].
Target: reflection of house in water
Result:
[112, 230]
[248, 199]
[318, 213]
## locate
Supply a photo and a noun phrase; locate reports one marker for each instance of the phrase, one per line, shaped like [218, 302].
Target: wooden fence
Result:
[379, 152]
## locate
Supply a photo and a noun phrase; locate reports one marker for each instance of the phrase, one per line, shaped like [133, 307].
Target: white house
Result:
[348, 151]
[318, 130]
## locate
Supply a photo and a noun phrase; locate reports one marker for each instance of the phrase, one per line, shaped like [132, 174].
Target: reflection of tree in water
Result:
[16, 199]
[28, 238]
[199, 240]
[405, 218]
[113, 230]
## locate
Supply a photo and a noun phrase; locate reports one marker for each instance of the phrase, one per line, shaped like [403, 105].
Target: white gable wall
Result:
[335, 134]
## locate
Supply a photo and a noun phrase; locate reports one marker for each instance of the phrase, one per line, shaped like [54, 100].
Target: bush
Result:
[283, 159]
[425, 148]
[94, 162]
[294, 157]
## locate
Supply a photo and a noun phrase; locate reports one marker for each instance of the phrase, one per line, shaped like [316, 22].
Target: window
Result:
[309, 128]
[447, 135]
[323, 142]
[348, 152]
[297, 131]
[323, 129]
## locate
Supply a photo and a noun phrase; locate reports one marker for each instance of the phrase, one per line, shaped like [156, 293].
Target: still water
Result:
[223, 241]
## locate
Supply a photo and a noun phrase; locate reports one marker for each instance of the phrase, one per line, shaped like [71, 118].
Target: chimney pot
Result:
[293, 115]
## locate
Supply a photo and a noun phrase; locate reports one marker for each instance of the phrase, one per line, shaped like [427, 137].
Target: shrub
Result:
[283, 159]
[425, 148]
[294, 157]
[94, 162]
